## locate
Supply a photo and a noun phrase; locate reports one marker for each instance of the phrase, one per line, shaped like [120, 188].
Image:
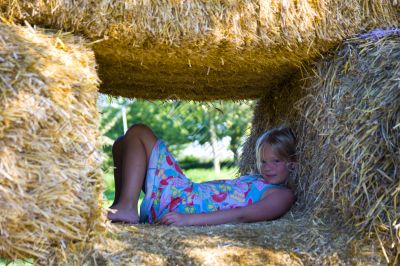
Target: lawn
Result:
[5, 262]
[196, 175]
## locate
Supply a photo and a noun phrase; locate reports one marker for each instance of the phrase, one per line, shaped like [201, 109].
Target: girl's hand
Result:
[174, 218]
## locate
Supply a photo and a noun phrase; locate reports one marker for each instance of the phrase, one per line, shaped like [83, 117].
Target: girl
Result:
[143, 162]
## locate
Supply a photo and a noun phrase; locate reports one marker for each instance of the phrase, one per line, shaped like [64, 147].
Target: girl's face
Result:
[273, 169]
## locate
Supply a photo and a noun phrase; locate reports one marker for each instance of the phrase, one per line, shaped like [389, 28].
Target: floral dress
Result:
[169, 190]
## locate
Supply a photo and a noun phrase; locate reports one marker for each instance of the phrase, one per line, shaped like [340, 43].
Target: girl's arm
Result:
[272, 206]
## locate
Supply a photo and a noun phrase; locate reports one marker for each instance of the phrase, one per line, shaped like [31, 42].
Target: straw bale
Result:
[204, 50]
[348, 124]
[50, 174]
[291, 240]
[355, 118]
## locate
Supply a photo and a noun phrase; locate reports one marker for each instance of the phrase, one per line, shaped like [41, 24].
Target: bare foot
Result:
[123, 215]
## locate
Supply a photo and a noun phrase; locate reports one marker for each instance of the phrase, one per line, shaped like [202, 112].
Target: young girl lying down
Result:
[143, 162]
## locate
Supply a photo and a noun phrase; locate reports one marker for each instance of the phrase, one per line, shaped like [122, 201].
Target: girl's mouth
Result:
[269, 176]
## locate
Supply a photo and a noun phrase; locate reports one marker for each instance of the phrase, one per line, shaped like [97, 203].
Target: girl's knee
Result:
[118, 144]
[144, 134]
[139, 130]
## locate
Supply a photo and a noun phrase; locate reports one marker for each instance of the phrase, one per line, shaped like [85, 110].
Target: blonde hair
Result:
[283, 142]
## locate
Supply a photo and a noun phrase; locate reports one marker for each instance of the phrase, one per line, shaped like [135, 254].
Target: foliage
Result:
[230, 118]
[177, 122]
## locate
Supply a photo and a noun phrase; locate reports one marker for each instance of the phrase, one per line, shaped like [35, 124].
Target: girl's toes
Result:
[123, 216]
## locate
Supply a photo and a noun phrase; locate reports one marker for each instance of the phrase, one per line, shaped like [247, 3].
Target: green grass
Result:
[4, 262]
[196, 175]
[203, 175]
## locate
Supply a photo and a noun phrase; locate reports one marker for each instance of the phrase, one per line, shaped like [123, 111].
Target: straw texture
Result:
[291, 240]
[50, 174]
[354, 114]
[273, 109]
[204, 50]
[348, 125]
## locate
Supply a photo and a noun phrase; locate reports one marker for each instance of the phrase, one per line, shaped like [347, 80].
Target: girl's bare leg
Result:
[138, 143]
[118, 153]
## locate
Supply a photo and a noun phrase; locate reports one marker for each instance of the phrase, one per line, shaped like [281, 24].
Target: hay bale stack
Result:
[204, 50]
[349, 129]
[50, 174]
[353, 111]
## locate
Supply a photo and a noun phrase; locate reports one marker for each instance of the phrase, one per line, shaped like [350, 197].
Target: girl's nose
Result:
[268, 166]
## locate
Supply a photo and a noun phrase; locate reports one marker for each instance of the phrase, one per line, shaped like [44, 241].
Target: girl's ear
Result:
[292, 166]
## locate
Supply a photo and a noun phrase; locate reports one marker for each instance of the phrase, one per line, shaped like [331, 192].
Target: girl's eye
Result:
[277, 161]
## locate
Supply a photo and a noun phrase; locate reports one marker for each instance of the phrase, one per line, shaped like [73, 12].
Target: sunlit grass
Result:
[4, 262]
[203, 175]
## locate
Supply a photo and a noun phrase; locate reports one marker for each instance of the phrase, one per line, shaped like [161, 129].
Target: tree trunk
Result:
[213, 140]
[235, 155]
[124, 121]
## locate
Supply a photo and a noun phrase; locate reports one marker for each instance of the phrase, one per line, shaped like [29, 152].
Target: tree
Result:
[167, 119]
[216, 120]
[237, 124]
[180, 122]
